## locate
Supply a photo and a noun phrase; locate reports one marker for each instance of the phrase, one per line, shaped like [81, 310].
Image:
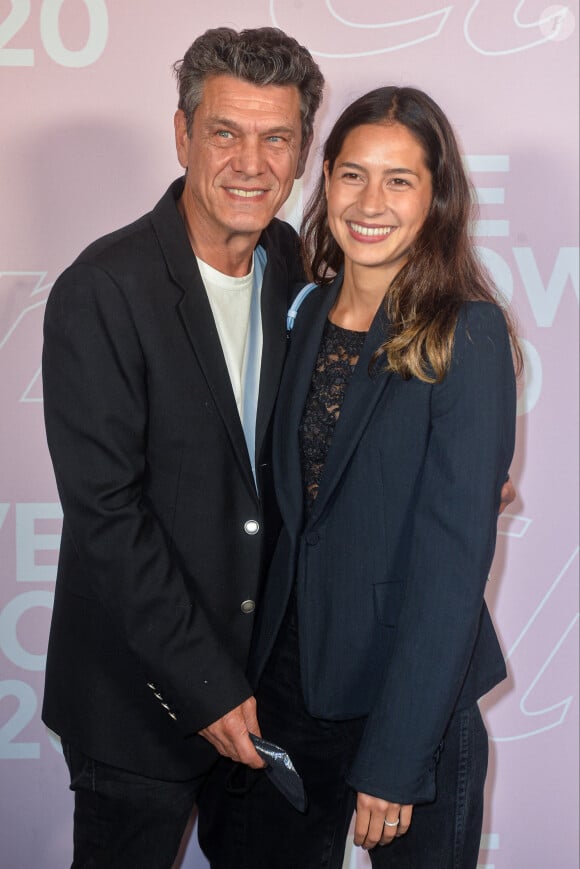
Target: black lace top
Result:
[337, 357]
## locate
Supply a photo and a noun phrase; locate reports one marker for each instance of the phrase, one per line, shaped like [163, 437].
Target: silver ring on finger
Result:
[391, 823]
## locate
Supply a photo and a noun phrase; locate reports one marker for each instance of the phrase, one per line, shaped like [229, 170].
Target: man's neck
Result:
[231, 255]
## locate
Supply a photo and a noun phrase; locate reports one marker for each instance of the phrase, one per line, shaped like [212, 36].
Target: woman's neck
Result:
[359, 299]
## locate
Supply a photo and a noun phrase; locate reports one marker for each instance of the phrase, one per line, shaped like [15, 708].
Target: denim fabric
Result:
[123, 820]
[446, 834]
[244, 823]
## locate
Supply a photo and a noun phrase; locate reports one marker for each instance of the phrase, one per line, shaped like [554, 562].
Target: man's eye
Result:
[224, 134]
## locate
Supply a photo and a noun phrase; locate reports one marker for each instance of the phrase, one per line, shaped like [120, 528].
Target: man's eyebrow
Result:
[281, 128]
[212, 121]
[218, 121]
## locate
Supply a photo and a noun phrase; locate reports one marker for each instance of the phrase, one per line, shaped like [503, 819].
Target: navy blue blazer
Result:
[391, 564]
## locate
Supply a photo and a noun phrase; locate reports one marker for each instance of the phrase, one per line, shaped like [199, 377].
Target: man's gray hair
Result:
[262, 56]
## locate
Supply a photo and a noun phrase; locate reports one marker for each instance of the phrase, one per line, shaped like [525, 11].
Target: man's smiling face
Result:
[242, 158]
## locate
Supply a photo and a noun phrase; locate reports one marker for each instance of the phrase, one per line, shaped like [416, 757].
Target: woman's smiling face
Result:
[378, 195]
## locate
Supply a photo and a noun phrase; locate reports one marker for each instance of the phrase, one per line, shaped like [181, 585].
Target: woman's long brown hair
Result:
[442, 270]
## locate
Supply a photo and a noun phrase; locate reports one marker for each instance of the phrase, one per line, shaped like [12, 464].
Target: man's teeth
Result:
[371, 230]
[247, 193]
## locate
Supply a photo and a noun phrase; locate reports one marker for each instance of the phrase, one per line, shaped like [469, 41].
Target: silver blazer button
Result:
[252, 526]
[247, 607]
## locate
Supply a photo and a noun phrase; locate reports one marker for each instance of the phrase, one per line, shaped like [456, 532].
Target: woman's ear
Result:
[327, 173]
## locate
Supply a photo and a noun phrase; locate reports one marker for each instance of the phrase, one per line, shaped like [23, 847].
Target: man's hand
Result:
[508, 494]
[229, 734]
[379, 821]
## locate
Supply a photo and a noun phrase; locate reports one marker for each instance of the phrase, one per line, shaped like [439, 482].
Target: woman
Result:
[394, 433]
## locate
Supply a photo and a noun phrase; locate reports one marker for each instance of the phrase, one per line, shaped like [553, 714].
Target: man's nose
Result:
[249, 157]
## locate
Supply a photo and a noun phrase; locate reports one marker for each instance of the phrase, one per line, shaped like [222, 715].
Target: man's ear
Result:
[181, 137]
[304, 151]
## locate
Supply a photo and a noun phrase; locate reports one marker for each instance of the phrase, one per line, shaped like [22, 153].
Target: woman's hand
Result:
[371, 814]
[508, 494]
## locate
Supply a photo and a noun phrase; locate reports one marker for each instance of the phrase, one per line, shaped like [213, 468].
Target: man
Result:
[164, 344]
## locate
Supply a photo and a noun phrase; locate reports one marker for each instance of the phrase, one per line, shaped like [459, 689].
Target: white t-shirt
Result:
[230, 300]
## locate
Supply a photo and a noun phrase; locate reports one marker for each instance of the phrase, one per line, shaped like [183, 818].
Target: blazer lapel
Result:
[274, 306]
[305, 342]
[200, 326]
[362, 394]
[197, 317]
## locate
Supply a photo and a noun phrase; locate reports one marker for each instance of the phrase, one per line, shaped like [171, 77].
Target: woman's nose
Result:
[373, 199]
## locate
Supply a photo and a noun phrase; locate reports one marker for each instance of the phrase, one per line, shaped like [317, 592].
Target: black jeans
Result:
[123, 820]
[244, 823]
[446, 834]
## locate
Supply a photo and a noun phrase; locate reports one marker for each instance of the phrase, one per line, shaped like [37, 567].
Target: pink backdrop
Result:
[87, 100]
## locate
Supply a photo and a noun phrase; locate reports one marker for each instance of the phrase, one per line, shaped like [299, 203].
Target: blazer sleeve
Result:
[96, 414]
[454, 529]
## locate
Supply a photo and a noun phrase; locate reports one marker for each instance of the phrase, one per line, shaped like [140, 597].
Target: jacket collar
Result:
[197, 317]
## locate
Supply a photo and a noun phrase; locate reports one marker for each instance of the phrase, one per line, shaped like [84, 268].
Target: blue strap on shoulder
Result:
[293, 310]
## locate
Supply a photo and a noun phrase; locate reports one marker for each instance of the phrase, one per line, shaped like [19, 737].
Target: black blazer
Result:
[149, 638]
[391, 565]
